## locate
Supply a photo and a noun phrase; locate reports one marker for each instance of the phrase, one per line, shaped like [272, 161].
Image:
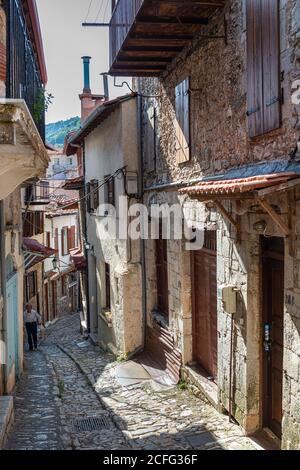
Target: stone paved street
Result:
[70, 380]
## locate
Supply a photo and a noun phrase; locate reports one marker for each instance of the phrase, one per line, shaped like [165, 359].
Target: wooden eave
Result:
[154, 33]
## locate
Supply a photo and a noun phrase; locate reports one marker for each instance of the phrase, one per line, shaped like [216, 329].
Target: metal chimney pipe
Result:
[86, 74]
[105, 86]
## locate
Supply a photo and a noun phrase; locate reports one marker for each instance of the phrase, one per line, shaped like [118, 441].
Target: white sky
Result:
[65, 42]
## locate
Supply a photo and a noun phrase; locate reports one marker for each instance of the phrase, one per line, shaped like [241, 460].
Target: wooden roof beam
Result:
[157, 20]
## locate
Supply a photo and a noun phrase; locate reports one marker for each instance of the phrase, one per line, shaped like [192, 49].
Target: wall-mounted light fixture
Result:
[55, 263]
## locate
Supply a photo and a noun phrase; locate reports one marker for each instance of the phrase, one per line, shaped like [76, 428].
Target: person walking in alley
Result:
[31, 321]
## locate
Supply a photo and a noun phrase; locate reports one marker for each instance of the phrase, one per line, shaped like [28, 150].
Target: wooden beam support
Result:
[274, 216]
[225, 213]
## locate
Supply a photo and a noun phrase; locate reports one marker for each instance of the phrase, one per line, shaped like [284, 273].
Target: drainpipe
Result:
[141, 194]
[105, 86]
[3, 283]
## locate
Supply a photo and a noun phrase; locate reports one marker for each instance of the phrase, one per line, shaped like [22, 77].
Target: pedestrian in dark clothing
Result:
[31, 321]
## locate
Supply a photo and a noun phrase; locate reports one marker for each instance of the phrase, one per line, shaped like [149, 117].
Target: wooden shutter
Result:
[182, 121]
[56, 245]
[73, 237]
[162, 273]
[263, 67]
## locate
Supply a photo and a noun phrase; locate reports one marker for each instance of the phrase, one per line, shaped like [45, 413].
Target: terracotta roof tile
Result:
[238, 185]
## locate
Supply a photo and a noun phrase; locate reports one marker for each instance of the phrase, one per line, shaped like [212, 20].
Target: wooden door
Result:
[205, 339]
[273, 307]
[162, 276]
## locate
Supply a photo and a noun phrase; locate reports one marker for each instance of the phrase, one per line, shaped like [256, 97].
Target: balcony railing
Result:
[146, 35]
[23, 75]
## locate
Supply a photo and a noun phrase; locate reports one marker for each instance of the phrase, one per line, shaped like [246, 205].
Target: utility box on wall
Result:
[227, 294]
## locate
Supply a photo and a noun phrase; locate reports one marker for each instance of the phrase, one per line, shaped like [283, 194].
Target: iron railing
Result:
[23, 75]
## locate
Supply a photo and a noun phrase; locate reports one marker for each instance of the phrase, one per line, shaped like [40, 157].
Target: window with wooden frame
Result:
[182, 121]
[92, 196]
[263, 66]
[107, 286]
[31, 285]
[162, 273]
[64, 241]
[149, 136]
[109, 190]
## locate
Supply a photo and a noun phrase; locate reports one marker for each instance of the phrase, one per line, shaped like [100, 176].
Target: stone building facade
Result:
[249, 236]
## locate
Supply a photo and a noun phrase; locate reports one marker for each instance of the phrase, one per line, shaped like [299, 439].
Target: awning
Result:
[237, 186]
[60, 274]
[74, 183]
[35, 252]
[78, 259]
[256, 187]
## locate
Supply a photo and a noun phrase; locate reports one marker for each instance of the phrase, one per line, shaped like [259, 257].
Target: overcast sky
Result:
[65, 42]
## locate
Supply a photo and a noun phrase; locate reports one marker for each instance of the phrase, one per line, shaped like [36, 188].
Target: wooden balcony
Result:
[146, 35]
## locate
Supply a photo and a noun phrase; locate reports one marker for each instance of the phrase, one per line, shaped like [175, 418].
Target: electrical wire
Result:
[89, 9]
[105, 10]
[102, 183]
[99, 11]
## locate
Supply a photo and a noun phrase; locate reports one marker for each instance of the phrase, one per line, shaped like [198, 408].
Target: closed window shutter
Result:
[182, 121]
[56, 239]
[264, 103]
[271, 65]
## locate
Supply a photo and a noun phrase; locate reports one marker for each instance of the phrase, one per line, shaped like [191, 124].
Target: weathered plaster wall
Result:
[111, 146]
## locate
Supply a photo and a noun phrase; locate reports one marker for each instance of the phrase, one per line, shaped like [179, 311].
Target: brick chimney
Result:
[88, 101]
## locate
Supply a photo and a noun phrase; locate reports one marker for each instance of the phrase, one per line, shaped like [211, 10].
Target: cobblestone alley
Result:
[69, 381]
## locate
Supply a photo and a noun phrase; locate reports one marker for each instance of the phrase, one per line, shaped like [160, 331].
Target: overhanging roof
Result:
[94, 120]
[35, 252]
[237, 186]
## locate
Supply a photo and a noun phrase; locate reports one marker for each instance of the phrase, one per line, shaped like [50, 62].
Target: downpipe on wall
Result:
[141, 194]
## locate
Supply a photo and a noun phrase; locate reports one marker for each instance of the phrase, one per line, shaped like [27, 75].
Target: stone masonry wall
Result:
[219, 141]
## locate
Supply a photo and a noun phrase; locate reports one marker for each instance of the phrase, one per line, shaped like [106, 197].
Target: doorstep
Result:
[207, 388]
[6, 417]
